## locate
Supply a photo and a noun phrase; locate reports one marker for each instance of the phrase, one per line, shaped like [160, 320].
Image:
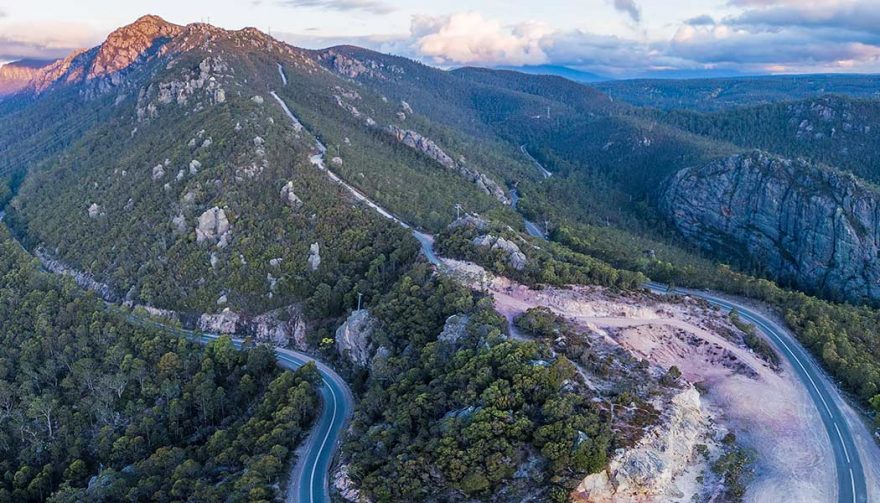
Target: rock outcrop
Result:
[806, 224]
[314, 259]
[426, 146]
[646, 472]
[15, 76]
[213, 227]
[346, 488]
[454, 329]
[289, 197]
[353, 338]
[515, 257]
[284, 327]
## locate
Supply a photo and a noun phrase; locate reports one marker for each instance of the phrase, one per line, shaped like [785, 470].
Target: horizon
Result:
[616, 39]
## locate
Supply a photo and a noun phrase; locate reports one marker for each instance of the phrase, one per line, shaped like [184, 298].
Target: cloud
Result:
[467, 38]
[46, 40]
[630, 8]
[757, 39]
[703, 20]
[859, 16]
[372, 6]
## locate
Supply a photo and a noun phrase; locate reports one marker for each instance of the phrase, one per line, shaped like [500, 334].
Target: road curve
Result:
[851, 483]
[309, 479]
[852, 486]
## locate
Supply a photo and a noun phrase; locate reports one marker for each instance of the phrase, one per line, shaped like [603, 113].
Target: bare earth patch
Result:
[768, 409]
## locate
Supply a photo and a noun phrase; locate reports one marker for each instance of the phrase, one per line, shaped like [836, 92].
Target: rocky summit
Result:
[234, 269]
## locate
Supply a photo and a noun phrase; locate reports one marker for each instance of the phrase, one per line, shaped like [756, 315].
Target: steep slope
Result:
[16, 75]
[839, 131]
[194, 192]
[806, 225]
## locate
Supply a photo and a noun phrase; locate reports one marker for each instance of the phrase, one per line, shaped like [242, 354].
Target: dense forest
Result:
[452, 407]
[94, 408]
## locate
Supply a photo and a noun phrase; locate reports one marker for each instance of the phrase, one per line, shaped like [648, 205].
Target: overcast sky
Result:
[618, 38]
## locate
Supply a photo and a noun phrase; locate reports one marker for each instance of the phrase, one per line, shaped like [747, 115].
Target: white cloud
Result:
[630, 8]
[467, 38]
[45, 39]
[371, 6]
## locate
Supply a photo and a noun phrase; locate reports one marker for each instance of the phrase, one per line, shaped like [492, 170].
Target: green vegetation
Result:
[458, 415]
[751, 339]
[548, 263]
[842, 336]
[735, 466]
[93, 408]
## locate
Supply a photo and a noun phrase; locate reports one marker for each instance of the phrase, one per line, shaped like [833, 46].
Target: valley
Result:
[464, 292]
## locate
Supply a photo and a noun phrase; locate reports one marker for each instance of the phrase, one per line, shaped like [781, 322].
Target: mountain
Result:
[14, 76]
[559, 71]
[718, 93]
[838, 131]
[811, 226]
[230, 181]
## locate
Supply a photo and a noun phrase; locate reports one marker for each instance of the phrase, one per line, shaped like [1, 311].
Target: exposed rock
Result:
[406, 108]
[104, 67]
[275, 262]
[314, 256]
[337, 161]
[809, 225]
[281, 327]
[219, 96]
[346, 488]
[84, 280]
[427, 146]
[515, 257]
[213, 227]
[289, 197]
[225, 322]
[179, 223]
[424, 145]
[94, 210]
[454, 329]
[194, 167]
[16, 75]
[158, 172]
[646, 471]
[469, 220]
[401, 116]
[353, 338]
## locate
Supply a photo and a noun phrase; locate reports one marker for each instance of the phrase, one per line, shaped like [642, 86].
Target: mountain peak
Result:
[125, 45]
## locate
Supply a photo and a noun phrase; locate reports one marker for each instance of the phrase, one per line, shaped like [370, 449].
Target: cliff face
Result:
[806, 224]
[16, 75]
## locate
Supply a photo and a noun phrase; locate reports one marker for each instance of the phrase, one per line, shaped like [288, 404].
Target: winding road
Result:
[310, 474]
[852, 486]
[851, 483]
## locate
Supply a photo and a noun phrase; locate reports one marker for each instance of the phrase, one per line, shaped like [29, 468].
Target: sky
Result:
[615, 38]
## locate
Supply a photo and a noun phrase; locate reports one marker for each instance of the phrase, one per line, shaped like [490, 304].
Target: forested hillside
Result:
[94, 408]
[729, 93]
[191, 174]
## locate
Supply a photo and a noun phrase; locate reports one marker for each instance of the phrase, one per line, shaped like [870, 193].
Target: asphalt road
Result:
[310, 477]
[852, 487]
[851, 483]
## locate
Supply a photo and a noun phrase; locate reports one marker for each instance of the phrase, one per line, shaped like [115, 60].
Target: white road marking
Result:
[770, 331]
[845, 450]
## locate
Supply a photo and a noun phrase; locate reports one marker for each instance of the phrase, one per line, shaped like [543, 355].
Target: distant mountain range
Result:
[15, 75]
[559, 71]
